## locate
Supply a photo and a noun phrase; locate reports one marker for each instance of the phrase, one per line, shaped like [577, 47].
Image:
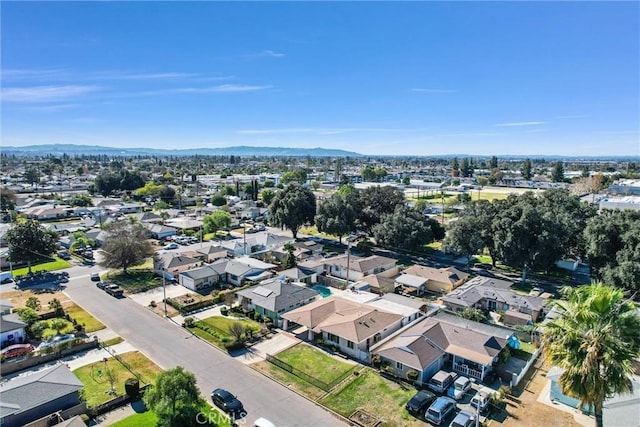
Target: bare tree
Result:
[237, 331]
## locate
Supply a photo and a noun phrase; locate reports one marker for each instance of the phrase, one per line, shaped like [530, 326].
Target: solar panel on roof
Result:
[262, 291]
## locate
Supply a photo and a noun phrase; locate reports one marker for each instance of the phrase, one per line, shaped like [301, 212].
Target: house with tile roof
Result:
[443, 341]
[359, 267]
[351, 326]
[438, 280]
[28, 398]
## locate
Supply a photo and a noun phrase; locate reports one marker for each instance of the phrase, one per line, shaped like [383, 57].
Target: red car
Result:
[16, 350]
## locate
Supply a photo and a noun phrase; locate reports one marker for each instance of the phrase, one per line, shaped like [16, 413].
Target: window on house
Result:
[333, 338]
[350, 344]
[399, 365]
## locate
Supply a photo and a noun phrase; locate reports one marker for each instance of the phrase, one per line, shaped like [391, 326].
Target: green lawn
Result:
[315, 363]
[95, 379]
[143, 419]
[91, 324]
[375, 395]
[487, 195]
[50, 332]
[221, 324]
[112, 341]
[137, 280]
[289, 380]
[56, 264]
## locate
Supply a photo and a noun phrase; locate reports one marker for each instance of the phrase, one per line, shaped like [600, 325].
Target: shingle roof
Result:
[200, 273]
[11, 322]
[21, 394]
[449, 275]
[277, 295]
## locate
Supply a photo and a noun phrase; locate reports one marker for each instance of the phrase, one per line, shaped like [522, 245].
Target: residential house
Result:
[359, 267]
[238, 270]
[489, 294]
[184, 223]
[148, 217]
[12, 329]
[171, 265]
[49, 212]
[125, 208]
[28, 398]
[213, 252]
[443, 341]
[379, 283]
[437, 280]
[160, 232]
[300, 274]
[5, 306]
[200, 278]
[274, 297]
[352, 327]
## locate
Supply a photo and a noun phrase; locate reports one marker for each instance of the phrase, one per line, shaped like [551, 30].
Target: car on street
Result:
[440, 410]
[226, 401]
[459, 388]
[114, 290]
[102, 285]
[171, 246]
[64, 255]
[95, 277]
[420, 402]
[464, 419]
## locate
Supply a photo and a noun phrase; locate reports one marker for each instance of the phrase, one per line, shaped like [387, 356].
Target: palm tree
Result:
[595, 341]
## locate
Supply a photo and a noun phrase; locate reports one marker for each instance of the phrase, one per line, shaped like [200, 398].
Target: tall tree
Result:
[465, 237]
[292, 208]
[175, 398]
[526, 169]
[407, 229]
[557, 173]
[595, 341]
[126, 246]
[297, 175]
[7, 199]
[337, 214]
[493, 163]
[376, 202]
[215, 221]
[29, 242]
[289, 260]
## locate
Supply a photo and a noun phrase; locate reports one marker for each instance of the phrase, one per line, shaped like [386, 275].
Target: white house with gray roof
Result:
[12, 329]
[274, 297]
[25, 399]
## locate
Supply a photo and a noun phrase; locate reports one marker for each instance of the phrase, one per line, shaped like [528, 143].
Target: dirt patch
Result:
[364, 419]
[19, 297]
[159, 309]
[524, 410]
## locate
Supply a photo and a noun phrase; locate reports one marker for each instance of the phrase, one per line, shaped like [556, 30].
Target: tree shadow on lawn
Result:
[138, 406]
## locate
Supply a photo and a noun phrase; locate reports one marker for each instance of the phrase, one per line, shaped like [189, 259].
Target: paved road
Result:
[169, 345]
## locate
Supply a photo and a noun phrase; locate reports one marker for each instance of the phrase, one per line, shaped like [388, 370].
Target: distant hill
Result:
[222, 151]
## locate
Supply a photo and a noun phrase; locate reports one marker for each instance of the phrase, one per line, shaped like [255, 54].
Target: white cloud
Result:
[432, 91]
[221, 88]
[520, 124]
[53, 108]
[265, 54]
[45, 93]
[319, 131]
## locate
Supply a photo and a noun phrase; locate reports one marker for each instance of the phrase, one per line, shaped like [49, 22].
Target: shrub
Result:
[188, 321]
[412, 375]
[224, 311]
[235, 345]
[376, 361]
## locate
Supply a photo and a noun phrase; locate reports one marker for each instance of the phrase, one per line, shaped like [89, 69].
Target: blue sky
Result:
[389, 78]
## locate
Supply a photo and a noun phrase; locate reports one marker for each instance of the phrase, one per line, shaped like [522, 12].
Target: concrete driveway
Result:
[257, 353]
[157, 294]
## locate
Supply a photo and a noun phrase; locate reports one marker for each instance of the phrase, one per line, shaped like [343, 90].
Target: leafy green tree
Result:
[215, 221]
[28, 315]
[289, 260]
[292, 208]
[407, 229]
[595, 341]
[175, 398]
[33, 303]
[267, 196]
[526, 169]
[298, 175]
[56, 306]
[376, 202]
[58, 325]
[7, 199]
[29, 242]
[466, 169]
[218, 200]
[167, 194]
[471, 313]
[337, 214]
[268, 183]
[464, 236]
[126, 246]
[107, 183]
[455, 167]
[493, 163]
[557, 173]
[81, 200]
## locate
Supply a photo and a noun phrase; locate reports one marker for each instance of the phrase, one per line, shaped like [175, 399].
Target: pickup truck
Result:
[114, 290]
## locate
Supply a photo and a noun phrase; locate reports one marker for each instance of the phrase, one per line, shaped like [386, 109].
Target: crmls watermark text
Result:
[214, 417]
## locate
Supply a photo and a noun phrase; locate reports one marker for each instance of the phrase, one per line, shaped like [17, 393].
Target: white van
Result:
[263, 422]
[441, 381]
[482, 398]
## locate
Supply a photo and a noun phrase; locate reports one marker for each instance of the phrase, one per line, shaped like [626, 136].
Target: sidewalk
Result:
[118, 414]
[209, 312]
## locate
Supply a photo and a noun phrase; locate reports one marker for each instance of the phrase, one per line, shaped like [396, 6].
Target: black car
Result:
[102, 285]
[420, 402]
[226, 401]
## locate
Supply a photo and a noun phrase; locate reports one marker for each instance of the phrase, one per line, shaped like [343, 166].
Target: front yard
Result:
[215, 329]
[98, 376]
[90, 323]
[55, 264]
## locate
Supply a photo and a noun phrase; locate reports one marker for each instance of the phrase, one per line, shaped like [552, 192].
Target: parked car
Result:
[440, 410]
[441, 381]
[227, 401]
[171, 246]
[64, 255]
[102, 285]
[55, 341]
[464, 419]
[95, 277]
[16, 350]
[482, 399]
[459, 388]
[420, 402]
[114, 290]
[263, 422]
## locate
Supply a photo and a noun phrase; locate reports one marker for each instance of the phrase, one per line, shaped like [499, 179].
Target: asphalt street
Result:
[169, 345]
